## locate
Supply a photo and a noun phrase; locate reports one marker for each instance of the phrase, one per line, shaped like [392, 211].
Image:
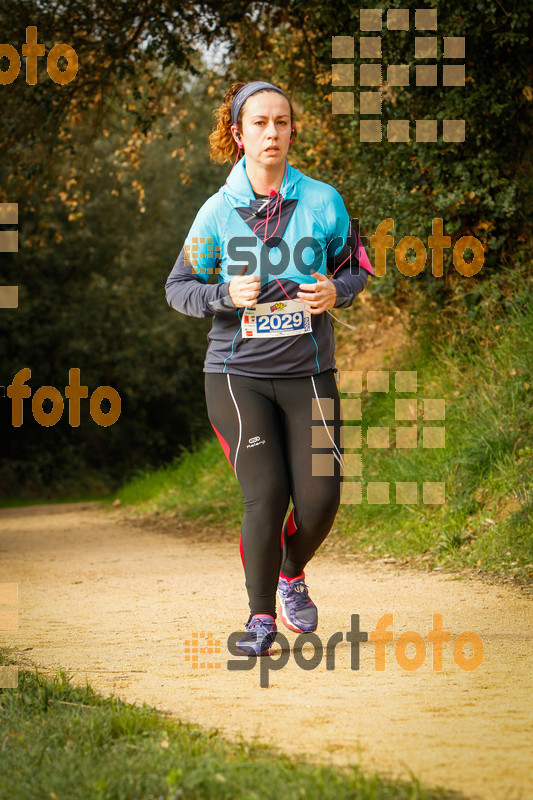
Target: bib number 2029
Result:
[289, 318]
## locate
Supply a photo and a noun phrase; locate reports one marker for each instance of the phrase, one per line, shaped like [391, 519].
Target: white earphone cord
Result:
[342, 321]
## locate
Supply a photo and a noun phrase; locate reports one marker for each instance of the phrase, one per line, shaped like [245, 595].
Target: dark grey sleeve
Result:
[350, 278]
[188, 293]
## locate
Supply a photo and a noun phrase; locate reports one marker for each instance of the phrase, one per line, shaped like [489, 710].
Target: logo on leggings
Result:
[254, 441]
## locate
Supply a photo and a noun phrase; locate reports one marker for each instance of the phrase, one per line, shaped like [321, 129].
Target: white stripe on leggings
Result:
[339, 457]
[240, 425]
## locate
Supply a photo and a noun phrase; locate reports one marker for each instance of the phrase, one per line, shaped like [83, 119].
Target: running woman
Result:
[271, 234]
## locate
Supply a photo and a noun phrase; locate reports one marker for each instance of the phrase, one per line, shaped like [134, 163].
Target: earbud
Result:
[292, 128]
[238, 135]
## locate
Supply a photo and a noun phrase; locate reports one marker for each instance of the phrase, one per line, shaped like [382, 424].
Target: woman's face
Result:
[266, 128]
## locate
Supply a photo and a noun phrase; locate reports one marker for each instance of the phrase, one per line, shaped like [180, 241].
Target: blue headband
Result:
[247, 90]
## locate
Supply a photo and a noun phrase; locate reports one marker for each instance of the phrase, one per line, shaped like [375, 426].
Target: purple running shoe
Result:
[261, 630]
[297, 610]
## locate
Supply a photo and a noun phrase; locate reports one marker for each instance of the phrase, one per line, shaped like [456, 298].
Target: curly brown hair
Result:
[223, 146]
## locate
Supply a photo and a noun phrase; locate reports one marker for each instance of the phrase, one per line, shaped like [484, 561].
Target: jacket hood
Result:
[239, 188]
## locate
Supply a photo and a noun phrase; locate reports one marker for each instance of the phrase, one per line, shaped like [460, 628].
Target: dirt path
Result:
[115, 602]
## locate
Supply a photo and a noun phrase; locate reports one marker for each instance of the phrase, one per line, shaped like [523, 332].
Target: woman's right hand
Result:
[244, 290]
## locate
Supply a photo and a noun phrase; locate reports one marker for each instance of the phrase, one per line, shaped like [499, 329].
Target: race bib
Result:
[284, 318]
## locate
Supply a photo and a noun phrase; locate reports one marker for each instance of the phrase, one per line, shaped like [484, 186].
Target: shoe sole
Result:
[252, 653]
[289, 625]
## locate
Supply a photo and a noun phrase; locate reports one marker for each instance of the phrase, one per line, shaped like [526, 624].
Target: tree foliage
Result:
[481, 187]
[109, 170]
[91, 269]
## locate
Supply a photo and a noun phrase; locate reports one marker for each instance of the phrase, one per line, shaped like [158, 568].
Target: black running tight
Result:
[282, 439]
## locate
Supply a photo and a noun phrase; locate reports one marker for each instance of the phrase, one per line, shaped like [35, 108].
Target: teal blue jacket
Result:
[308, 231]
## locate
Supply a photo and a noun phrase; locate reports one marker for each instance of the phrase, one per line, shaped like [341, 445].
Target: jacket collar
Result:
[238, 184]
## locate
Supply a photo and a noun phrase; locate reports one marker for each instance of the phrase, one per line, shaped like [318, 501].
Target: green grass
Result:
[199, 484]
[61, 741]
[485, 373]
[477, 354]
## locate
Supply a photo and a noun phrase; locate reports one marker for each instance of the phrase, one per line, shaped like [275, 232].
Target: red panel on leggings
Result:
[225, 445]
[291, 525]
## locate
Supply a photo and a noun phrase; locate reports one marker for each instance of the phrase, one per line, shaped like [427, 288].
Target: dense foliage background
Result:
[109, 170]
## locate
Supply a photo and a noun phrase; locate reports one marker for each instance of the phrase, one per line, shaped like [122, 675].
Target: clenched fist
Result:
[244, 290]
[318, 296]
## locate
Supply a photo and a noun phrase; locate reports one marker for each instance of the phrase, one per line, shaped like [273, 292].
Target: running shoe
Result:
[261, 630]
[297, 610]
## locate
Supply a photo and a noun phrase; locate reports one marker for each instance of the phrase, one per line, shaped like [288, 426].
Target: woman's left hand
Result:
[318, 296]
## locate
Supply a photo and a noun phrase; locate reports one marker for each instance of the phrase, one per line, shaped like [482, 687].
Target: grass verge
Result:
[62, 741]
[198, 484]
